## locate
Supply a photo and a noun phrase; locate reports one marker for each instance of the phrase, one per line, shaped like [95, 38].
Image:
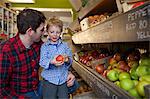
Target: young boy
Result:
[56, 58]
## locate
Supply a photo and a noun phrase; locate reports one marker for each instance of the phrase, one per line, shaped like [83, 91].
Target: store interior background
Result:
[58, 8]
[80, 40]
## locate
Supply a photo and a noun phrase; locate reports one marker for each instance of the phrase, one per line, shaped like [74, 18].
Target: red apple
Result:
[117, 57]
[102, 56]
[90, 58]
[60, 58]
[100, 68]
[112, 61]
[85, 61]
[123, 65]
[127, 68]
[88, 63]
[105, 73]
[131, 57]
[95, 54]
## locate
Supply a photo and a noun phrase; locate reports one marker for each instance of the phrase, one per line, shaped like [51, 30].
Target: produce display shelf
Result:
[96, 6]
[101, 86]
[132, 26]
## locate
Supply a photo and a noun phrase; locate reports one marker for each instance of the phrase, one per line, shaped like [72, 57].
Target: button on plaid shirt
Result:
[18, 68]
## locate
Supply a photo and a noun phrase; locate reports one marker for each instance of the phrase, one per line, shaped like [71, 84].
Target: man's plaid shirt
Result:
[18, 68]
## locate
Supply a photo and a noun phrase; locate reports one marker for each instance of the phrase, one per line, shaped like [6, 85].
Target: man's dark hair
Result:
[29, 18]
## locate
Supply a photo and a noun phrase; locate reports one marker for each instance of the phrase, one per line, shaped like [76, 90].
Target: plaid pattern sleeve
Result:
[18, 68]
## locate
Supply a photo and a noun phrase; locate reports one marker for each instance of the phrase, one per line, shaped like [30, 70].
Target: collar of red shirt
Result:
[19, 44]
[21, 47]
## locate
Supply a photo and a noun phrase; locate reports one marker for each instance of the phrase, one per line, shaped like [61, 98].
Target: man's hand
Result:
[70, 79]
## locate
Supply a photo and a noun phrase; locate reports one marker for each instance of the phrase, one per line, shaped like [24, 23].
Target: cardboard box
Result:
[84, 24]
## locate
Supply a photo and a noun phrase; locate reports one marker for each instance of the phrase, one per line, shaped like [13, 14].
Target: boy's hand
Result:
[70, 79]
[58, 60]
[66, 58]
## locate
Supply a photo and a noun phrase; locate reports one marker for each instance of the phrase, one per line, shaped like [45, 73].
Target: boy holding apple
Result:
[55, 58]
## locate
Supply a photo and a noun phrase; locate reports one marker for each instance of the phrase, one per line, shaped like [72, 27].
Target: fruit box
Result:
[104, 61]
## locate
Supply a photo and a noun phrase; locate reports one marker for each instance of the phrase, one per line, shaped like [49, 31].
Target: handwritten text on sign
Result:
[138, 21]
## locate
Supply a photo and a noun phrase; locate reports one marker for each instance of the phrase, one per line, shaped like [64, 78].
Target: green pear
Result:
[133, 92]
[143, 70]
[145, 61]
[140, 87]
[145, 77]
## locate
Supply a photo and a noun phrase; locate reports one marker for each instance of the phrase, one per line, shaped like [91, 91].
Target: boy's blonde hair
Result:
[55, 22]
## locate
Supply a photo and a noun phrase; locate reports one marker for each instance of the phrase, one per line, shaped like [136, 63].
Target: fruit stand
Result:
[129, 29]
[101, 86]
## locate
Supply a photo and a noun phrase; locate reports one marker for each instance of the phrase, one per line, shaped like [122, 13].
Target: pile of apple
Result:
[131, 74]
[96, 19]
[88, 56]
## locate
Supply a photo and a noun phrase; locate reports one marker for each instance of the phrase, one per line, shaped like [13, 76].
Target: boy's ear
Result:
[29, 31]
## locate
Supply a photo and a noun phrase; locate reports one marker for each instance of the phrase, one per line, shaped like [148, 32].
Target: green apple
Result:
[117, 83]
[140, 87]
[133, 92]
[113, 75]
[145, 77]
[143, 70]
[133, 73]
[124, 75]
[145, 61]
[127, 84]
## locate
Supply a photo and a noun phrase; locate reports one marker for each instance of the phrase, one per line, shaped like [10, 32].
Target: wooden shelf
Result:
[127, 27]
[97, 7]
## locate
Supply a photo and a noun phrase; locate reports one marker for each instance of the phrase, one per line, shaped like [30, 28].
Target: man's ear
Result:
[29, 31]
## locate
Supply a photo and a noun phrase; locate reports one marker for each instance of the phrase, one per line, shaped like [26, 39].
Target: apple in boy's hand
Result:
[60, 58]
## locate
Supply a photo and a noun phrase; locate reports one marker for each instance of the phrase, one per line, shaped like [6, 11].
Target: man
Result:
[19, 58]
